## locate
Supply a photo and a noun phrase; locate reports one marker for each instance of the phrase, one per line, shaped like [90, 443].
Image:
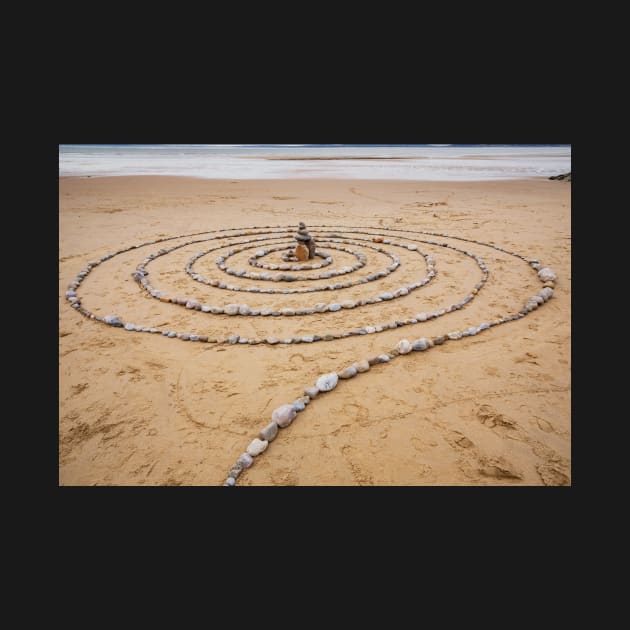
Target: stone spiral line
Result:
[272, 239]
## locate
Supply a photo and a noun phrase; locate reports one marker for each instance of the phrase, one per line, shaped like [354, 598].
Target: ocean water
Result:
[409, 162]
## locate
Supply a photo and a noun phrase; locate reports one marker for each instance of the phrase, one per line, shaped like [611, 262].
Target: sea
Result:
[417, 162]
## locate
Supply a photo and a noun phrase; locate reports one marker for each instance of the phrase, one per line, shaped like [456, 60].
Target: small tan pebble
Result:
[348, 372]
[362, 366]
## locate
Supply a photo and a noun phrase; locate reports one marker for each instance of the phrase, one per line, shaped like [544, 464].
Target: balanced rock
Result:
[305, 240]
[302, 252]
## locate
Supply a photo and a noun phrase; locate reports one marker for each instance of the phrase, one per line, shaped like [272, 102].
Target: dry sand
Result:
[140, 409]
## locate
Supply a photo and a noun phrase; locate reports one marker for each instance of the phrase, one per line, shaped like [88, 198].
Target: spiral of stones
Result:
[327, 239]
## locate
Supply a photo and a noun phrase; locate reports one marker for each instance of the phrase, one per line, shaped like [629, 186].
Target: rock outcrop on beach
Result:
[564, 176]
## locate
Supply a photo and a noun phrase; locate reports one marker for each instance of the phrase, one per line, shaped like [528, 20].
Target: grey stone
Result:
[245, 460]
[348, 372]
[283, 415]
[269, 432]
[421, 344]
[235, 471]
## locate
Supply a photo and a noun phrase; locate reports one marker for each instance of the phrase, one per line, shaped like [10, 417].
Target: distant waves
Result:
[224, 162]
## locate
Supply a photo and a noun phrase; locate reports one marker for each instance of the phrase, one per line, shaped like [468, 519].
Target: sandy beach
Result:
[142, 409]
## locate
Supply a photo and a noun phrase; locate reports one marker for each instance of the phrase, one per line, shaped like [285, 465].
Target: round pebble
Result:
[403, 346]
[327, 382]
[283, 415]
[421, 344]
[348, 372]
[245, 460]
[256, 447]
[547, 275]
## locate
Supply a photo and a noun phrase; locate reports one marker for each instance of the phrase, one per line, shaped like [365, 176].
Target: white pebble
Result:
[404, 347]
[327, 382]
[257, 447]
[546, 293]
[547, 275]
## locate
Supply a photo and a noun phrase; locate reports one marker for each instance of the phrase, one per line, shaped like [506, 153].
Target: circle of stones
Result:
[283, 277]
[141, 276]
[286, 266]
[361, 261]
[284, 415]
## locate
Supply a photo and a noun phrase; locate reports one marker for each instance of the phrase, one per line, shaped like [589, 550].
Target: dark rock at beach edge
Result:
[564, 176]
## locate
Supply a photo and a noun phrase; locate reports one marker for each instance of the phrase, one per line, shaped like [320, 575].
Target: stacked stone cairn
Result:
[305, 249]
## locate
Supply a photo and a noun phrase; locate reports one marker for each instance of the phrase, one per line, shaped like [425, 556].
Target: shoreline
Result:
[139, 409]
[311, 179]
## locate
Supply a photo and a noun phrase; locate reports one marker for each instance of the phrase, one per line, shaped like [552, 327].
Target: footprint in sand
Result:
[491, 418]
[498, 467]
[458, 440]
[528, 357]
[551, 476]
[361, 477]
[77, 389]
[422, 445]
[361, 414]
[544, 425]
